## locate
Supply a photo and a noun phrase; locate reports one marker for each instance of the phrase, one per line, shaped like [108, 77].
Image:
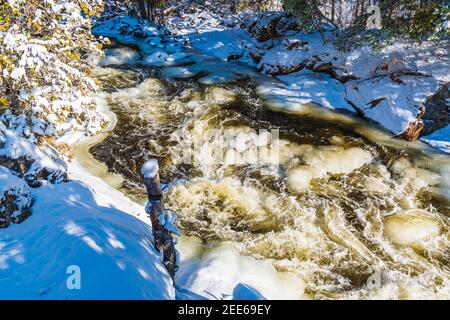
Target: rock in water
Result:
[411, 227]
[436, 113]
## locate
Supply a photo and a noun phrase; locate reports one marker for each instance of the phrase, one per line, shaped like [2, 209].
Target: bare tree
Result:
[142, 9]
[332, 10]
[152, 9]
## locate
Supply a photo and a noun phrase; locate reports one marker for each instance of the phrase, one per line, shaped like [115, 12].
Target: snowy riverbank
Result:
[83, 223]
[393, 86]
[86, 223]
[403, 86]
[58, 223]
[59, 212]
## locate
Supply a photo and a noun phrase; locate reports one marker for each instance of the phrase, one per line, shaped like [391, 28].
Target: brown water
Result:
[349, 211]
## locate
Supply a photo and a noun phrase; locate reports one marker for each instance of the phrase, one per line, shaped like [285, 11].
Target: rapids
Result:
[344, 211]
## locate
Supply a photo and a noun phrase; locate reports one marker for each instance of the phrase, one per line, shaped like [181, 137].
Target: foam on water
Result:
[346, 214]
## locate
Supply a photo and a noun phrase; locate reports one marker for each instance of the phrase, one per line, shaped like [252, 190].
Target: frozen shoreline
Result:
[387, 87]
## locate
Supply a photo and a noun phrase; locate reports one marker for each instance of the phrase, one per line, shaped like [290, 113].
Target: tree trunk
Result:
[357, 4]
[151, 15]
[332, 10]
[142, 9]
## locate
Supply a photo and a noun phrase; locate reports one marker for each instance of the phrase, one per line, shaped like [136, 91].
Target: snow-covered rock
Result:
[439, 139]
[185, 17]
[436, 113]
[226, 45]
[395, 104]
[307, 87]
[16, 200]
[28, 161]
[156, 58]
[270, 25]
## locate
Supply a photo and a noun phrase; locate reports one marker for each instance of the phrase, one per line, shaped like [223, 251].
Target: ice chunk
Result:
[220, 95]
[177, 56]
[221, 78]
[119, 56]
[245, 292]
[179, 72]
[411, 227]
[324, 161]
[156, 58]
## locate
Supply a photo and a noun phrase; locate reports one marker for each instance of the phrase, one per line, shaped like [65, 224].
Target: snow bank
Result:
[307, 87]
[395, 105]
[73, 225]
[388, 86]
[439, 139]
[221, 272]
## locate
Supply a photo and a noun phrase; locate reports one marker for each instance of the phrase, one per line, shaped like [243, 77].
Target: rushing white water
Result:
[348, 213]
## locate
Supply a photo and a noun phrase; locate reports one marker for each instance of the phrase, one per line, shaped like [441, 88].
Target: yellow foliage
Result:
[4, 102]
[74, 56]
[67, 47]
[84, 7]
